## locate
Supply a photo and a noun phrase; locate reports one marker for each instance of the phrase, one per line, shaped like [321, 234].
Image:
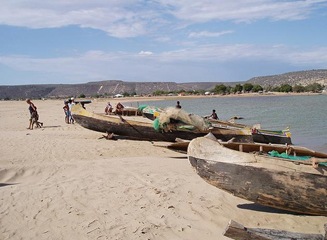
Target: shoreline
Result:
[64, 180]
[181, 97]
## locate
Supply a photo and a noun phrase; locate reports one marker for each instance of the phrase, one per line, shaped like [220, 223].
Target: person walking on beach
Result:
[34, 116]
[178, 105]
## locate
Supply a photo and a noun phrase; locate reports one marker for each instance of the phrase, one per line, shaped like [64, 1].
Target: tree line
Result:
[223, 89]
[248, 88]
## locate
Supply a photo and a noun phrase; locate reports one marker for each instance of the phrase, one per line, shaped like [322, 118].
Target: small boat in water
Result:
[284, 177]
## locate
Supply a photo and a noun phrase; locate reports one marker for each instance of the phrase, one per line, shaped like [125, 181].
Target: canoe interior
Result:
[260, 148]
[265, 148]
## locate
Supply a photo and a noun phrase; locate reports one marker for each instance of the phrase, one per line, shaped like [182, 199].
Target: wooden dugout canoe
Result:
[182, 146]
[143, 129]
[259, 135]
[269, 181]
[237, 231]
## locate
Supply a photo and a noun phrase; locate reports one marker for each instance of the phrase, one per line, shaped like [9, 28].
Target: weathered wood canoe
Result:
[82, 101]
[182, 146]
[259, 135]
[143, 129]
[237, 231]
[271, 136]
[245, 171]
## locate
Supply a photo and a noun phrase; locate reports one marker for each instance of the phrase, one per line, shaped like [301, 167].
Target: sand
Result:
[63, 182]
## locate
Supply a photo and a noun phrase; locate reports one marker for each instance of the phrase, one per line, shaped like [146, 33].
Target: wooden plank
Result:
[240, 147]
[237, 231]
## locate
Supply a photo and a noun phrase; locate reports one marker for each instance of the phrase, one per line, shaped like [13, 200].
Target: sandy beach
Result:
[66, 182]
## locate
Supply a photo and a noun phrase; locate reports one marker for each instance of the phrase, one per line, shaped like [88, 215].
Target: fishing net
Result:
[184, 120]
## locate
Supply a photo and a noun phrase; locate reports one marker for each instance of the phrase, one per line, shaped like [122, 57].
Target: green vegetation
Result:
[257, 88]
[315, 87]
[160, 93]
[220, 89]
[285, 88]
[238, 88]
[298, 88]
[246, 88]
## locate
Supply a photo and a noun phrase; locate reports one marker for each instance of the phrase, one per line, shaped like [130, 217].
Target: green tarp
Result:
[294, 158]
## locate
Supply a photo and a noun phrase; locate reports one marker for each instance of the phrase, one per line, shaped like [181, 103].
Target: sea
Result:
[304, 115]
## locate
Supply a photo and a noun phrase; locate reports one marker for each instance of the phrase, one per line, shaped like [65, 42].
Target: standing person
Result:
[214, 115]
[71, 102]
[67, 112]
[178, 105]
[108, 109]
[34, 116]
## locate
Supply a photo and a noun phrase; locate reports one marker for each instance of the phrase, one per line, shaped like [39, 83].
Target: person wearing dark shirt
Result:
[178, 105]
[34, 116]
[214, 115]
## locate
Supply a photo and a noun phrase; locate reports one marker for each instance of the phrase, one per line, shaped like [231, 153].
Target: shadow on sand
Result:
[6, 184]
[261, 208]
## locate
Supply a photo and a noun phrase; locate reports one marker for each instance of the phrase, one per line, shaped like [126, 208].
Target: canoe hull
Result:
[263, 180]
[139, 130]
[258, 135]
[308, 197]
[270, 138]
[132, 131]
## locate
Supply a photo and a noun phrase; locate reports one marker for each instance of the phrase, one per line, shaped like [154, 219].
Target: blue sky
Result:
[78, 41]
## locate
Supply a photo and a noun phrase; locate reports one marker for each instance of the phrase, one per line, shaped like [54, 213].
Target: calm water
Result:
[305, 115]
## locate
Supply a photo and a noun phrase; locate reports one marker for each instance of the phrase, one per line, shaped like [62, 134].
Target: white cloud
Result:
[100, 62]
[208, 34]
[130, 18]
[114, 17]
[241, 10]
[145, 53]
[189, 64]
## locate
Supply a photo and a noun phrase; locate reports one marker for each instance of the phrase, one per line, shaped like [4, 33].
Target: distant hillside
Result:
[112, 87]
[303, 78]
